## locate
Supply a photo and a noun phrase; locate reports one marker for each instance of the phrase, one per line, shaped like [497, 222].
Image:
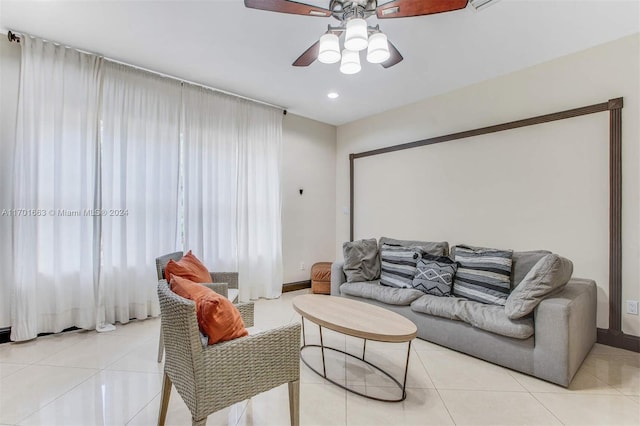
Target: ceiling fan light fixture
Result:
[356, 37]
[329, 51]
[350, 62]
[390, 10]
[378, 50]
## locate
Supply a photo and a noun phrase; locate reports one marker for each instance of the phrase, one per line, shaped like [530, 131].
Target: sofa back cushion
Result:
[483, 275]
[398, 265]
[435, 248]
[549, 274]
[361, 261]
[434, 275]
[373, 290]
[522, 262]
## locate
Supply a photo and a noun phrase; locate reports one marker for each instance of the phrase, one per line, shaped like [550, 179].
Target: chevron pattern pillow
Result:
[434, 275]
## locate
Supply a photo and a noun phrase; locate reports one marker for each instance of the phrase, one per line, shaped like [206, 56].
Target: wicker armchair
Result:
[214, 377]
[221, 283]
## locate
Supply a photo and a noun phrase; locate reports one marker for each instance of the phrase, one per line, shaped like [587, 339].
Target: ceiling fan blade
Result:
[394, 58]
[405, 8]
[287, 6]
[309, 55]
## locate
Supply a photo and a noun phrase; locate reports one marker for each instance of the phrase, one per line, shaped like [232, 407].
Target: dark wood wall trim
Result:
[576, 112]
[618, 339]
[298, 285]
[615, 215]
[612, 336]
[351, 180]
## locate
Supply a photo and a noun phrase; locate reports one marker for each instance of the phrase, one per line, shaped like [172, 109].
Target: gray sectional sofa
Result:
[549, 343]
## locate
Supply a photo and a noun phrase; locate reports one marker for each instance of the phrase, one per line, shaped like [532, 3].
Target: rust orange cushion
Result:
[188, 267]
[218, 318]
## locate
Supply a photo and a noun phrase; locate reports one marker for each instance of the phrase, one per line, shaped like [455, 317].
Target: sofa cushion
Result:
[522, 262]
[398, 265]
[483, 275]
[490, 318]
[434, 248]
[361, 261]
[434, 275]
[551, 273]
[445, 307]
[373, 290]
[494, 319]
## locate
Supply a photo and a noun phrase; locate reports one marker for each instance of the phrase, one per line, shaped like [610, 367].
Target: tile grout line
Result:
[141, 409]
[97, 371]
[534, 397]
[547, 408]
[436, 389]
[62, 394]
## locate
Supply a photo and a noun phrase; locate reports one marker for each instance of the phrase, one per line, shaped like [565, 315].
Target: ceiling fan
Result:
[352, 15]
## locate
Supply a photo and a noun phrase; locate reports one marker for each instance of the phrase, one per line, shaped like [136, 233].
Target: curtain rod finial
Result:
[13, 37]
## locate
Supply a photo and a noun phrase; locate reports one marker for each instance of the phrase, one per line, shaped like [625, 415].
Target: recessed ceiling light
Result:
[332, 95]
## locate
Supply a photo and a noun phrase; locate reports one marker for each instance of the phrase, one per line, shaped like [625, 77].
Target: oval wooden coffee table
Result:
[356, 319]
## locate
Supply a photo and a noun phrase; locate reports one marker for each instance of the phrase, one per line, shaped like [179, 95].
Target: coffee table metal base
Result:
[402, 386]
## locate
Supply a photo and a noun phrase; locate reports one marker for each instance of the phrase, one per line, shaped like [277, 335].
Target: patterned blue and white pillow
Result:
[434, 275]
[483, 275]
[398, 265]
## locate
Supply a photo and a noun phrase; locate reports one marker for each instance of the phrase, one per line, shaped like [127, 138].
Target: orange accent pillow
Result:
[218, 318]
[188, 267]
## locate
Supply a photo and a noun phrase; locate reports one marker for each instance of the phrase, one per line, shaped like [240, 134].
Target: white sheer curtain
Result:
[54, 182]
[140, 142]
[232, 203]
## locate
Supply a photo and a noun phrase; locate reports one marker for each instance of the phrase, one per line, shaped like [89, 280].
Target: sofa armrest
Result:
[565, 331]
[337, 277]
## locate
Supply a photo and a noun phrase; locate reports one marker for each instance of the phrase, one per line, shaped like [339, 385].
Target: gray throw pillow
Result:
[549, 274]
[523, 261]
[434, 275]
[361, 261]
[439, 248]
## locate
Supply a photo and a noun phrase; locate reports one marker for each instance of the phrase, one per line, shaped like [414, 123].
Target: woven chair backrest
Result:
[162, 261]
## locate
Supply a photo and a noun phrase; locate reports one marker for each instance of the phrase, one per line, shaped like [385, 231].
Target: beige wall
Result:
[9, 77]
[592, 76]
[308, 220]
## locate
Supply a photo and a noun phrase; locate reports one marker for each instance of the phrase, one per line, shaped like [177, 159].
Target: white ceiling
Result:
[222, 44]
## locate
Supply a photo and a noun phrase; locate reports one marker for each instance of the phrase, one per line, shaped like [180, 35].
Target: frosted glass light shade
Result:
[350, 62]
[378, 50]
[329, 52]
[356, 37]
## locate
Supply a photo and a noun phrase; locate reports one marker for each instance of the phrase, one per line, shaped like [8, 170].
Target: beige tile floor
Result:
[86, 378]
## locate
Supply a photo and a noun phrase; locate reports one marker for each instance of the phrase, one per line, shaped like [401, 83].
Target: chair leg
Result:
[160, 346]
[164, 399]
[294, 402]
[195, 422]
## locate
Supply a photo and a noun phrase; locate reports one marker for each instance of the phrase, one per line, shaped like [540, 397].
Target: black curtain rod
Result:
[16, 37]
